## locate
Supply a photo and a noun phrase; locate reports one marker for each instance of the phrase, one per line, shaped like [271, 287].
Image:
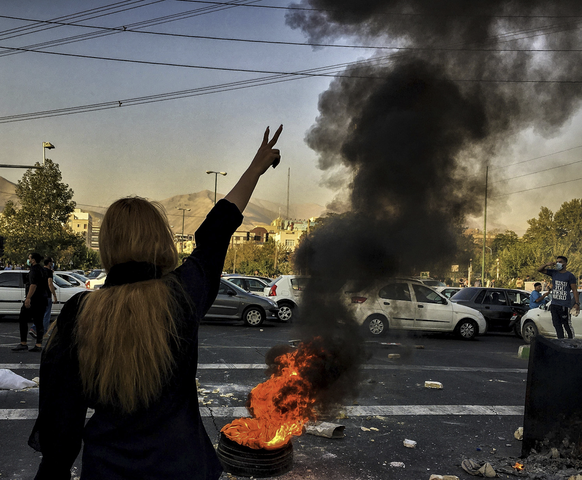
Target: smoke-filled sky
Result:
[162, 149]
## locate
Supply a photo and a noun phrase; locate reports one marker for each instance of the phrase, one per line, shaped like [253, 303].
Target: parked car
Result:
[95, 273]
[404, 304]
[286, 292]
[538, 321]
[97, 281]
[250, 284]
[73, 278]
[447, 292]
[501, 307]
[12, 292]
[431, 282]
[233, 302]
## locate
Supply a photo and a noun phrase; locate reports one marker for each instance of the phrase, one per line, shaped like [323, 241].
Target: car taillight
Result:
[359, 299]
[273, 291]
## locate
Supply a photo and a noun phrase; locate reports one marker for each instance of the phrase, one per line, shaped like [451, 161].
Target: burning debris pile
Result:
[297, 392]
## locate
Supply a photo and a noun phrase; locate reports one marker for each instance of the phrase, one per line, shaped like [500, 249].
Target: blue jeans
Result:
[46, 321]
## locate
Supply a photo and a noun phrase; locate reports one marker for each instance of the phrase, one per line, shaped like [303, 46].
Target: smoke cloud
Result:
[406, 135]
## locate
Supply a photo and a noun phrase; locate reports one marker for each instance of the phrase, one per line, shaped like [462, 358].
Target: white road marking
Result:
[262, 366]
[351, 411]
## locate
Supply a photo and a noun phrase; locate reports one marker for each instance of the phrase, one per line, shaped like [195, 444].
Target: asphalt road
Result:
[474, 416]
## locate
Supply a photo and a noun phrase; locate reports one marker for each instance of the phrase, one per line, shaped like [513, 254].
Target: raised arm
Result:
[544, 267]
[265, 157]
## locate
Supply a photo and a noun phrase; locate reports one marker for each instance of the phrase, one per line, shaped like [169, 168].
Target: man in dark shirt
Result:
[564, 282]
[35, 304]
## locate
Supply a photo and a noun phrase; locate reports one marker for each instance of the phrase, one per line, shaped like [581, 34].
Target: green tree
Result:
[39, 221]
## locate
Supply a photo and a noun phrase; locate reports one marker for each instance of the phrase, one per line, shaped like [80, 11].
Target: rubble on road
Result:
[326, 429]
[431, 384]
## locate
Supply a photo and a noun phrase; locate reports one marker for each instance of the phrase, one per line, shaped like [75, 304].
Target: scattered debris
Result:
[393, 355]
[431, 384]
[327, 429]
[419, 347]
[397, 464]
[443, 477]
[472, 467]
[12, 381]
[518, 434]
[409, 443]
[386, 344]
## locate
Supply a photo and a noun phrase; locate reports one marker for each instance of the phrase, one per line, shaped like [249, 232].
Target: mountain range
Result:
[257, 212]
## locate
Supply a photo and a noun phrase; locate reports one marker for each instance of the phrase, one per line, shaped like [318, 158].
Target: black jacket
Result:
[166, 440]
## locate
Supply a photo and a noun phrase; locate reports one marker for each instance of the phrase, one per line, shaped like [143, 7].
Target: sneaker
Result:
[36, 349]
[32, 333]
[20, 348]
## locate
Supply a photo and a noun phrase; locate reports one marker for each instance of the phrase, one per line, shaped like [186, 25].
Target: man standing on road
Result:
[536, 299]
[51, 295]
[34, 304]
[563, 282]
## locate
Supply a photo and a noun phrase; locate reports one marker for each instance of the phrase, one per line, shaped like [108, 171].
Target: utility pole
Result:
[288, 184]
[484, 228]
[184, 210]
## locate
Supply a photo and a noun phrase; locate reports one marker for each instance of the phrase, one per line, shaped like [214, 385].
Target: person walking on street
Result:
[537, 299]
[34, 304]
[563, 283]
[51, 295]
[130, 349]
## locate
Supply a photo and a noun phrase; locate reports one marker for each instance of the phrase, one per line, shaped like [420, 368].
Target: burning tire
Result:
[529, 331]
[377, 325]
[253, 317]
[244, 461]
[467, 329]
[285, 312]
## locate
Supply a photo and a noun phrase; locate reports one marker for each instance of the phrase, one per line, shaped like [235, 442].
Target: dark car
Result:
[501, 307]
[233, 302]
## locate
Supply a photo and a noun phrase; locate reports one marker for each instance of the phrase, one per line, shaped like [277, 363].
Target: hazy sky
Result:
[162, 149]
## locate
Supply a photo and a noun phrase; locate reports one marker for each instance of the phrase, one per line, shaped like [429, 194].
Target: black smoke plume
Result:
[406, 135]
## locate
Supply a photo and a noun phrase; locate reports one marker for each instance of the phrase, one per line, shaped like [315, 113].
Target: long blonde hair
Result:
[124, 333]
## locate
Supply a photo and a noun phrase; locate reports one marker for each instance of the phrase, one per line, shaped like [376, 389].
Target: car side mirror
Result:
[231, 293]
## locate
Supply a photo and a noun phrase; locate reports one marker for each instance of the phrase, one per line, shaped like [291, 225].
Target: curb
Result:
[523, 351]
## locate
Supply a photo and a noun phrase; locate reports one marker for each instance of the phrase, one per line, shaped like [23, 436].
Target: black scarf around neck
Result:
[132, 272]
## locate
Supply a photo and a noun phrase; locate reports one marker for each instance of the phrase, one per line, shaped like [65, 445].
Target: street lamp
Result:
[184, 210]
[215, 180]
[46, 145]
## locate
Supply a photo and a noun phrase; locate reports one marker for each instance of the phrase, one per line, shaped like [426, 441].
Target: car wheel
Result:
[285, 312]
[253, 317]
[529, 331]
[377, 325]
[467, 329]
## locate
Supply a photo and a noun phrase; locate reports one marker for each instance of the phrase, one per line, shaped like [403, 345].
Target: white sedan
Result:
[402, 304]
[538, 321]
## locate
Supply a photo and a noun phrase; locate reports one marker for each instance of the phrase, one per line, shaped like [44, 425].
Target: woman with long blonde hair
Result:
[130, 349]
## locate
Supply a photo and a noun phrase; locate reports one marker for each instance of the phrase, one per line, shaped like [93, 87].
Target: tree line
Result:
[547, 236]
[38, 221]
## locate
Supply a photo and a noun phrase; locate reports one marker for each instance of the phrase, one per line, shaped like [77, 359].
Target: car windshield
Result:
[464, 294]
[61, 283]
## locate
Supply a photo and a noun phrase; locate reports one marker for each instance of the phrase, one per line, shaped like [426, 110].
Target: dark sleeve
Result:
[200, 274]
[550, 273]
[58, 430]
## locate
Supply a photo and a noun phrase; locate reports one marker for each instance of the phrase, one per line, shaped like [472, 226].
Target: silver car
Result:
[234, 303]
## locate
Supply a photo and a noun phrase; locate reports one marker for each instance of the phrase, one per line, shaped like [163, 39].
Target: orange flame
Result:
[518, 466]
[280, 407]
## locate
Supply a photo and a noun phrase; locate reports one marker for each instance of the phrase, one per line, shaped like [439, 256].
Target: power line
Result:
[538, 171]
[400, 14]
[288, 43]
[542, 156]
[537, 188]
[142, 24]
